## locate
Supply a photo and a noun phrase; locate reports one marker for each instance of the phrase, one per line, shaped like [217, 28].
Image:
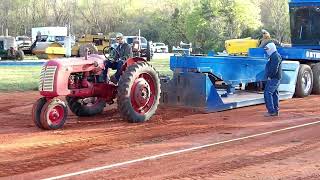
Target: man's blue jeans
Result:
[271, 95]
[115, 65]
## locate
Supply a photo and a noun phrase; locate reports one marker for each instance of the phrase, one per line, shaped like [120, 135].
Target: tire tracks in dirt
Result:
[213, 168]
[56, 153]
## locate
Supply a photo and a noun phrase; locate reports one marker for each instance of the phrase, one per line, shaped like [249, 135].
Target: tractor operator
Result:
[273, 73]
[266, 38]
[122, 52]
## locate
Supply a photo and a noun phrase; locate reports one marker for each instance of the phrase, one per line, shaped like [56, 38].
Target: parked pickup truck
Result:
[160, 47]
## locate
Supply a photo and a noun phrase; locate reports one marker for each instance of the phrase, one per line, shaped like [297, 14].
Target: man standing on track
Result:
[273, 73]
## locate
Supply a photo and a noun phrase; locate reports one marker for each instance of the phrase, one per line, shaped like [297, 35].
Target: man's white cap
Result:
[270, 48]
[264, 31]
[119, 35]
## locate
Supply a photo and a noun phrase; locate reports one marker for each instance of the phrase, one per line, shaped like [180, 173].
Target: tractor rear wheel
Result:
[86, 106]
[316, 78]
[304, 81]
[138, 92]
[53, 114]
[36, 111]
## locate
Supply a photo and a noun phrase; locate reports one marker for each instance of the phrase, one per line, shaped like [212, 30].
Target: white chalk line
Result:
[177, 152]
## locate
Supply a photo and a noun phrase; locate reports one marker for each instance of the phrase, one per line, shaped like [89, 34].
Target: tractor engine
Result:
[75, 78]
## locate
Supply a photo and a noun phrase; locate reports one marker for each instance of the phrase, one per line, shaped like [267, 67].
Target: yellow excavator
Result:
[95, 44]
[50, 50]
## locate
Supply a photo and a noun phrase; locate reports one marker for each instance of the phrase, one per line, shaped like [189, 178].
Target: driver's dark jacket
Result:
[124, 51]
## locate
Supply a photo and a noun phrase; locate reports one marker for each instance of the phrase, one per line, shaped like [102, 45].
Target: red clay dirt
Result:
[27, 152]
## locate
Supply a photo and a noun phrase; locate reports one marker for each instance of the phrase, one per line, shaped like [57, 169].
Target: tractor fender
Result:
[131, 61]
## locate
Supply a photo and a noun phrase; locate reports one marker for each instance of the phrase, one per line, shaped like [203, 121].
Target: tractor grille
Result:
[47, 78]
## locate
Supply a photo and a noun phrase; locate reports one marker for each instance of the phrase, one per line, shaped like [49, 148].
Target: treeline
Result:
[205, 23]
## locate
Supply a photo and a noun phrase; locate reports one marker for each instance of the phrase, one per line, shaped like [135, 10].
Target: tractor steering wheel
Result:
[109, 50]
[104, 52]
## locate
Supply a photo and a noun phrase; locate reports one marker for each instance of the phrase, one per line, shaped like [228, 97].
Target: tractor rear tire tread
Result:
[84, 111]
[124, 89]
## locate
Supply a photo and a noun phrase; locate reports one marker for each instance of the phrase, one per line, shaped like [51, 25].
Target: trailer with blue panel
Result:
[215, 83]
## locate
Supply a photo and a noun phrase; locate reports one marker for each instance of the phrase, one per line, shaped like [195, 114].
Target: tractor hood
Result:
[79, 62]
[55, 73]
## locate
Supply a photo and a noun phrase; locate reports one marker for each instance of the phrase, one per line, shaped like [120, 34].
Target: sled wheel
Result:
[304, 82]
[316, 78]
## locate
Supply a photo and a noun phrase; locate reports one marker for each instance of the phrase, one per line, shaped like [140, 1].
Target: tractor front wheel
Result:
[53, 114]
[138, 92]
[36, 111]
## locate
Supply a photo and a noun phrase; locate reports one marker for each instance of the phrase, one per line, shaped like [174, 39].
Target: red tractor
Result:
[137, 92]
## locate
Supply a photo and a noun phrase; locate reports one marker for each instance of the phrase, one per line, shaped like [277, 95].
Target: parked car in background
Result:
[9, 49]
[159, 47]
[59, 39]
[23, 42]
[145, 47]
[183, 48]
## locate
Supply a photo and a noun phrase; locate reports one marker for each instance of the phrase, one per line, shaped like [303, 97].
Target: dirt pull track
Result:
[29, 153]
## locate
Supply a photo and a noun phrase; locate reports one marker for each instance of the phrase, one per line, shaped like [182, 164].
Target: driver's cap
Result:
[119, 35]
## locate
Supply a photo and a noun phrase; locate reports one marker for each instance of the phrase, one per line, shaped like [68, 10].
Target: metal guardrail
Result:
[23, 63]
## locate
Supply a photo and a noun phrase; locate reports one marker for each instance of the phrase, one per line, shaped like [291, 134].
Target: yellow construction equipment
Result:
[49, 50]
[95, 44]
[240, 46]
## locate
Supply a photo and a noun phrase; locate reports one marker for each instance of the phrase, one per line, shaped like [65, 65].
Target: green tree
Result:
[204, 26]
[276, 18]
[205, 23]
[240, 16]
